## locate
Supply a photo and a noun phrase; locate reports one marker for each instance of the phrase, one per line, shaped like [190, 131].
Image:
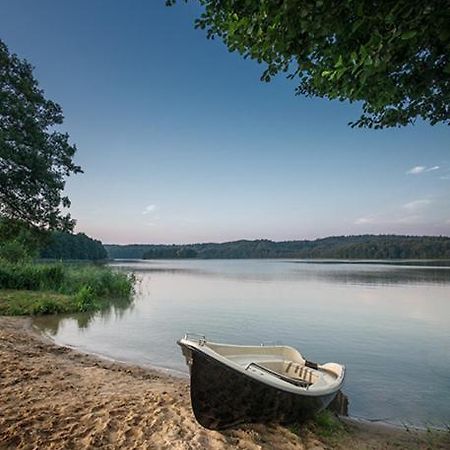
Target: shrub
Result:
[19, 276]
[85, 299]
[52, 276]
[13, 251]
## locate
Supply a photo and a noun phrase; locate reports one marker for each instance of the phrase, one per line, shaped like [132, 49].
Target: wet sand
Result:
[52, 397]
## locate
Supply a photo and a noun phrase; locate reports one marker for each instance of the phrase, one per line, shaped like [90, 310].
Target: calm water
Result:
[390, 325]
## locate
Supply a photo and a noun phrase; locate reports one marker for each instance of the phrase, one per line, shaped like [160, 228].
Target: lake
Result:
[389, 324]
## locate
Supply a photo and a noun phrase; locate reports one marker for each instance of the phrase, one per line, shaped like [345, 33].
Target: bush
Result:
[13, 251]
[103, 281]
[52, 276]
[85, 299]
[19, 276]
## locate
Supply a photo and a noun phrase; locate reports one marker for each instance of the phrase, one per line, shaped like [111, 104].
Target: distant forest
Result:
[337, 247]
[73, 246]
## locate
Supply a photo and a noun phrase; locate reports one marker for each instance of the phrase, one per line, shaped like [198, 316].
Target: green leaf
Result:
[339, 62]
[408, 35]
[360, 57]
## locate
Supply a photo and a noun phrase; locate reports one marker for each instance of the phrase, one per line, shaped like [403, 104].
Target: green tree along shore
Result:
[339, 247]
[63, 245]
[19, 242]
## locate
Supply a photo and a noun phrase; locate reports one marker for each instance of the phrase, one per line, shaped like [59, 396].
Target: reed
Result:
[31, 288]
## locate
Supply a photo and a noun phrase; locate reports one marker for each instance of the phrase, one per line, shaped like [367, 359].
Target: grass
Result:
[327, 424]
[16, 303]
[334, 433]
[32, 289]
[324, 424]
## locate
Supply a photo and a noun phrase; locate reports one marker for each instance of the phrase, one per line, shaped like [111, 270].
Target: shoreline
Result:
[58, 397]
[102, 357]
[184, 376]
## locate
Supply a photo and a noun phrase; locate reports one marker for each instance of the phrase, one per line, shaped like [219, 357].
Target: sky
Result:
[180, 142]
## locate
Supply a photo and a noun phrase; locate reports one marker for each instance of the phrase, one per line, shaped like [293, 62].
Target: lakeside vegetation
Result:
[336, 247]
[19, 242]
[29, 288]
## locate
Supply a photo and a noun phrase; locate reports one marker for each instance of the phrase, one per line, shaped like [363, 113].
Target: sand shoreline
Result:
[40, 334]
[59, 398]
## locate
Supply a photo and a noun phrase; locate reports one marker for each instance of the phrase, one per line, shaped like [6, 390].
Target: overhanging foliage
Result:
[393, 56]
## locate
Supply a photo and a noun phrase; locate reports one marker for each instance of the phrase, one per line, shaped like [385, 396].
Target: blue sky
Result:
[181, 142]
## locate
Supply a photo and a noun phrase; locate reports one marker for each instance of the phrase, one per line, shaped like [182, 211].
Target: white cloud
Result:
[149, 209]
[416, 170]
[416, 204]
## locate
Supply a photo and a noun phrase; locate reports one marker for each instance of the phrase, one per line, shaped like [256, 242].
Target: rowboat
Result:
[233, 384]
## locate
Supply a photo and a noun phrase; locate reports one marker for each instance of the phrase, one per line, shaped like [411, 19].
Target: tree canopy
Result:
[393, 56]
[63, 245]
[35, 158]
[19, 241]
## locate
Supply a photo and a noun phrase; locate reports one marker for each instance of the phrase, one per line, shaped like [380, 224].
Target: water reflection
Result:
[389, 276]
[116, 309]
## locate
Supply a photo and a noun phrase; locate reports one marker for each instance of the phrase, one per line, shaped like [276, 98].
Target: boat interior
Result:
[282, 362]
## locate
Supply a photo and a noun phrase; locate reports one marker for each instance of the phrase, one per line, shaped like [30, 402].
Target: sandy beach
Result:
[53, 397]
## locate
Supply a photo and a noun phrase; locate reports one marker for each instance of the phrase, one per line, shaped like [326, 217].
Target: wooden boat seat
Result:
[291, 370]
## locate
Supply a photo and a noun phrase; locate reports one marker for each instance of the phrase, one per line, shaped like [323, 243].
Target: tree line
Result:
[20, 242]
[63, 245]
[336, 247]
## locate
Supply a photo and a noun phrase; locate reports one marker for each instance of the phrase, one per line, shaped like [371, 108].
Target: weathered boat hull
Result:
[222, 397]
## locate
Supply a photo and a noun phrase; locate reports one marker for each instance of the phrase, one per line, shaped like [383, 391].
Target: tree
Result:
[61, 245]
[393, 56]
[19, 241]
[35, 158]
